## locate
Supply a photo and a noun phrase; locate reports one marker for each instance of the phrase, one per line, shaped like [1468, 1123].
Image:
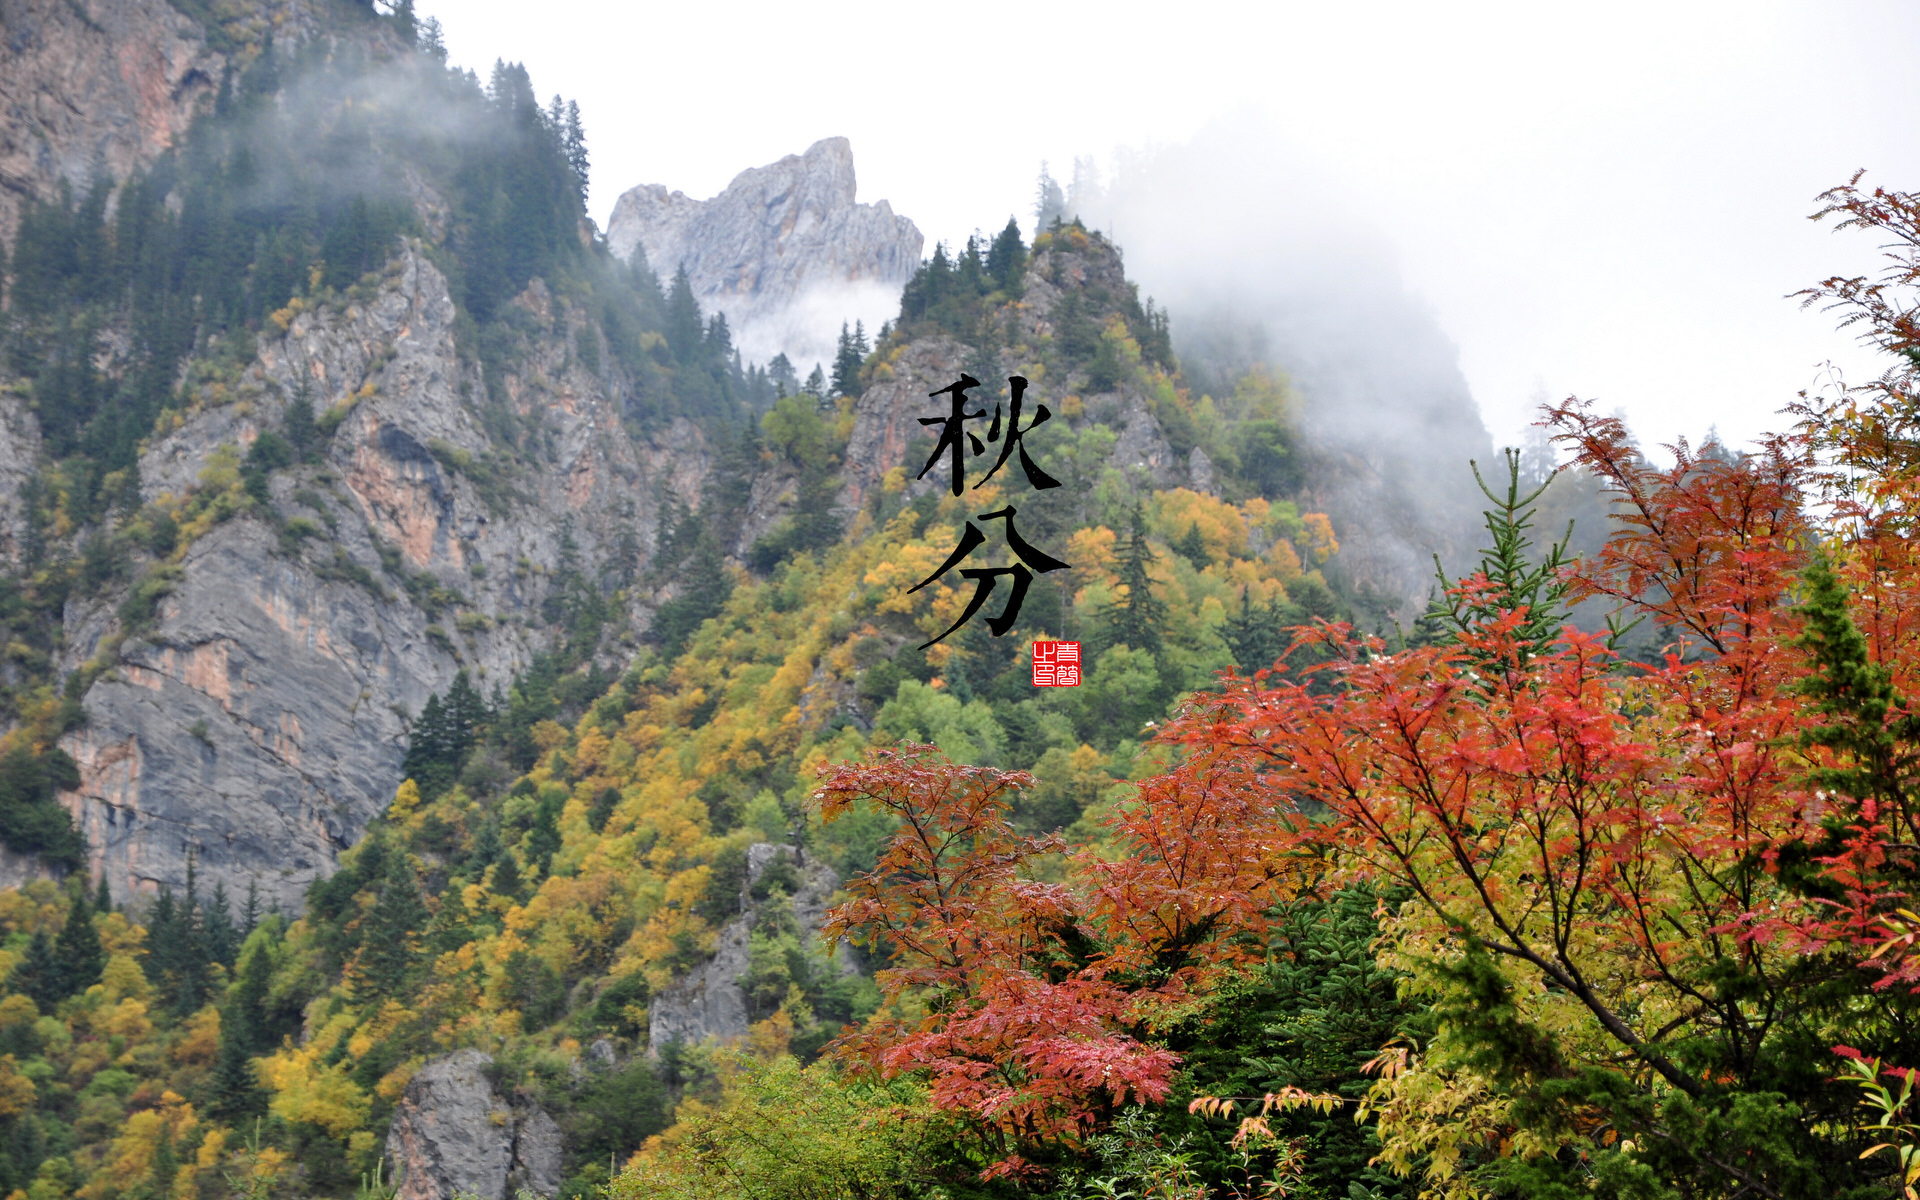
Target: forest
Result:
[1281, 900]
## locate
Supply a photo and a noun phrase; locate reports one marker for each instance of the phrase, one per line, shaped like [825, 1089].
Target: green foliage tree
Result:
[1138, 617]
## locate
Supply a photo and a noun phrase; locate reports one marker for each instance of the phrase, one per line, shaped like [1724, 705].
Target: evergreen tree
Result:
[1049, 202]
[575, 143]
[506, 876]
[1519, 584]
[250, 915]
[1255, 634]
[1192, 547]
[683, 331]
[850, 353]
[78, 954]
[816, 384]
[222, 940]
[1007, 258]
[1138, 618]
[447, 730]
[543, 840]
[103, 897]
[390, 943]
[38, 976]
[786, 380]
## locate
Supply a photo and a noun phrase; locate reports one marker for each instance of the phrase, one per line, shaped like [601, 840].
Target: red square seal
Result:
[1056, 664]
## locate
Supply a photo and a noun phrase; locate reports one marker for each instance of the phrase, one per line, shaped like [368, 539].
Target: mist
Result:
[1260, 261]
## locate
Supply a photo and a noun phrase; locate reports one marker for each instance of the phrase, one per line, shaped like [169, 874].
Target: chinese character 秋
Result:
[1030, 558]
[955, 437]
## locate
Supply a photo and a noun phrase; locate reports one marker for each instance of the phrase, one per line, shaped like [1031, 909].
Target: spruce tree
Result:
[78, 954]
[1519, 584]
[846, 364]
[543, 841]
[1138, 619]
[1007, 258]
[103, 897]
[38, 976]
[222, 940]
[390, 943]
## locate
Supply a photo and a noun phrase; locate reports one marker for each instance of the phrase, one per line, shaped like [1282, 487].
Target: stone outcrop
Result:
[707, 1002]
[784, 251]
[259, 724]
[453, 1134]
[92, 85]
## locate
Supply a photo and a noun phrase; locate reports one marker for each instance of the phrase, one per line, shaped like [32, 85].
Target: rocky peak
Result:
[785, 251]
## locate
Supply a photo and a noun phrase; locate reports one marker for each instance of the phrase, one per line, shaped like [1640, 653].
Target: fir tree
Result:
[221, 939]
[1518, 584]
[683, 331]
[1137, 619]
[78, 954]
[38, 975]
[1255, 634]
[848, 356]
[543, 840]
[391, 939]
[575, 145]
[1007, 258]
[103, 897]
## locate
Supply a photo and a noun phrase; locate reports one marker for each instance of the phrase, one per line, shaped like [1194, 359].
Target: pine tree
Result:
[1049, 202]
[390, 944]
[848, 356]
[543, 841]
[250, 915]
[683, 331]
[816, 384]
[1137, 619]
[1254, 635]
[103, 898]
[1007, 258]
[37, 977]
[575, 144]
[1518, 583]
[506, 876]
[78, 954]
[221, 938]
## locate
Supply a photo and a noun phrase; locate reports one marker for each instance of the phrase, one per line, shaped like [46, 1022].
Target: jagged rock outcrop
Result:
[887, 415]
[452, 1134]
[259, 724]
[784, 251]
[707, 1002]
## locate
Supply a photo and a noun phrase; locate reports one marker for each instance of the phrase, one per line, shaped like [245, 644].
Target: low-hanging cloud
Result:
[1259, 256]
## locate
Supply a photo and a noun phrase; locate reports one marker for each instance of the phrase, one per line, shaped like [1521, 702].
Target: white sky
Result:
[1607, 201]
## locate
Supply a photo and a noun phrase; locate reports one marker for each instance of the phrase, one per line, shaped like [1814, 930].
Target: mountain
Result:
[784, 252]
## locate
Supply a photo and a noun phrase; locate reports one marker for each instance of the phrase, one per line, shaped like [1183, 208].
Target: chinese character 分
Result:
[955, 437]
[1031, 560]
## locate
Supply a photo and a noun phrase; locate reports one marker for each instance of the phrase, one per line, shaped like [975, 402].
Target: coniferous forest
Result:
[1282, 900]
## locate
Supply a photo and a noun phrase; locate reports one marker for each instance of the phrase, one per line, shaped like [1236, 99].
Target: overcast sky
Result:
[1608, 201]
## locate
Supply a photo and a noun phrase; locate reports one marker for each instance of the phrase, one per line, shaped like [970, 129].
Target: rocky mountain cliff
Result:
[259, 724]
[785, 251]
[243, 690]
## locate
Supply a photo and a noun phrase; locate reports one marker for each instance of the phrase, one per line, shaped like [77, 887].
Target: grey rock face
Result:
[784, 251]
[91, 85]
[452, 1134]
[259, 724]
[707, 1002]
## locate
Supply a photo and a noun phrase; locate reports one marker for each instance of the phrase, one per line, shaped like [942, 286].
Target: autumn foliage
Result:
[1645, 900]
